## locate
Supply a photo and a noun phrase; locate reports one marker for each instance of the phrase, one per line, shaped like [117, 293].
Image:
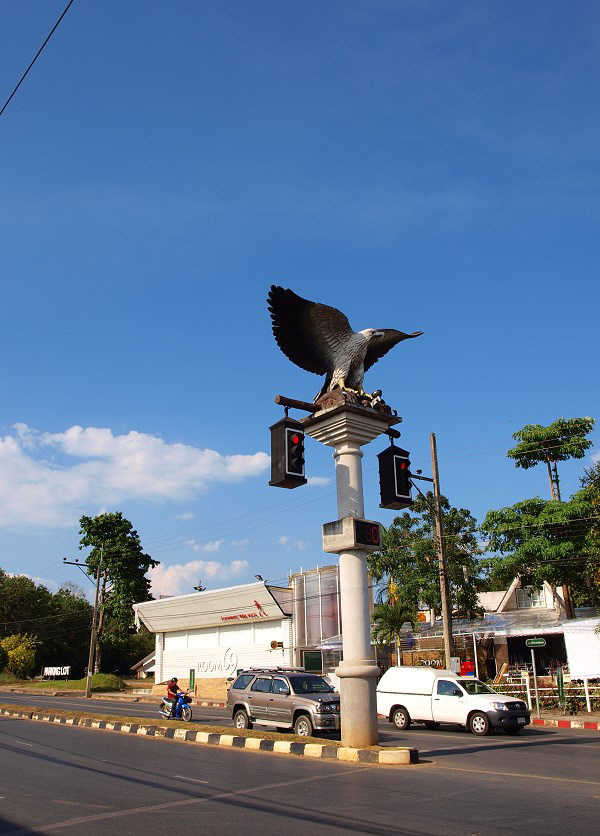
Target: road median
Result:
[220, 736]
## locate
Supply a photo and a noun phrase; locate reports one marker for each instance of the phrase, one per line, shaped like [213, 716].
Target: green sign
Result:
[535, 642]
[192, 678]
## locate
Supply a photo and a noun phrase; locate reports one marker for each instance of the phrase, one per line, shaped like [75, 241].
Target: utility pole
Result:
[441, 547]
[88, 682]
[100, 622]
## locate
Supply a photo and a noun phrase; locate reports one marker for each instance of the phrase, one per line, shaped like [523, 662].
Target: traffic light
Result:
[294, 452]
[394, 478]
[287, 454]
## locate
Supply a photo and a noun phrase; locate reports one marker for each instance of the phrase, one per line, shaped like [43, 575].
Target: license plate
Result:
[521, 720]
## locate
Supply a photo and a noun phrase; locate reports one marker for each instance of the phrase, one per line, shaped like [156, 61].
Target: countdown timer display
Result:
[351, 533]
[367, 533]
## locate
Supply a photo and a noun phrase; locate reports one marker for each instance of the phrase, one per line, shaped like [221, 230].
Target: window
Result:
[313, 661]
[262, 684]
[310, 685]
[474, 687]
[530, 598]
[446, 688]
[280, 686]
[242, 681]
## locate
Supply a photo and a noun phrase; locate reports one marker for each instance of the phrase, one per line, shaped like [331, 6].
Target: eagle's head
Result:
[370, 333]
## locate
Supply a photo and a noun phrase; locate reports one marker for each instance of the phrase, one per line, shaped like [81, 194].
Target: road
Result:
[60, 778]
[77, 780]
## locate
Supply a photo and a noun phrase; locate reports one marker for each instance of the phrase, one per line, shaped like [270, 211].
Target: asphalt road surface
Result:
[55, 779]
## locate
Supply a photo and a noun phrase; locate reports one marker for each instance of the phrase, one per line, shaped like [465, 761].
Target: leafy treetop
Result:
[563, 439]
[113, 539]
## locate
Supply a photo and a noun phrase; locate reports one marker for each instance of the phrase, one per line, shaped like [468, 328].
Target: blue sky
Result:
[421, 165]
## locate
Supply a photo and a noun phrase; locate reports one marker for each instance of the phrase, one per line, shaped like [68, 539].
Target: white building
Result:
[218, 632]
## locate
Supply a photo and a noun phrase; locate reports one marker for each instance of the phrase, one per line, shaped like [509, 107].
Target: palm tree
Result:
[388, 619]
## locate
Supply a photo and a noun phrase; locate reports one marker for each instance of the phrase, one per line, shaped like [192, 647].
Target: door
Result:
[259, 696]
[280, 702]
[449, 702]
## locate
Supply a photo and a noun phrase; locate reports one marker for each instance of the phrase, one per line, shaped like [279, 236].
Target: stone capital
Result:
[349, 423]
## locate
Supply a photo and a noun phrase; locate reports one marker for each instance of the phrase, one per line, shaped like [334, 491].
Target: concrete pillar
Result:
[346, 429]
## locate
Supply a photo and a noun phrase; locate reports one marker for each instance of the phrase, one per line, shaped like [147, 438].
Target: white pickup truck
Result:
[426, 695]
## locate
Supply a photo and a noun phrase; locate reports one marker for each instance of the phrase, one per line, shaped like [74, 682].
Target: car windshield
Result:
[474, 686]
[310, 685]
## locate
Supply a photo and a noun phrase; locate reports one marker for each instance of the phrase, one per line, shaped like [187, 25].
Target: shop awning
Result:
[334, 643]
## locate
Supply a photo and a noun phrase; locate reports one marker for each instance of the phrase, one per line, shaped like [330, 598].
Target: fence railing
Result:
[549, 699]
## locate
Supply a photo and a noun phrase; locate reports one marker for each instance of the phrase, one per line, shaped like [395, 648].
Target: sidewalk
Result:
[579, 721]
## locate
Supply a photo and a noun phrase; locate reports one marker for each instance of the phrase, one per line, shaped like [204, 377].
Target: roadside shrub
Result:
[3, 658]
[20, 651]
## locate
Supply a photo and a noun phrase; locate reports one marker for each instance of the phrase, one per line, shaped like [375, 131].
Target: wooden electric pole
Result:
[441, 549]
[88, 681]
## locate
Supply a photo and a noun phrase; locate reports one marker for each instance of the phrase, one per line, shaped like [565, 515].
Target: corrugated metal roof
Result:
[231, 605]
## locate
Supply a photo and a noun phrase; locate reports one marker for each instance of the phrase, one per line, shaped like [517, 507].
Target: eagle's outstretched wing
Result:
[310, 334]
[381, 345]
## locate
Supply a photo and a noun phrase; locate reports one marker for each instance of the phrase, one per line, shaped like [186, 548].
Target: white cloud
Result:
[51, 585]
[213, 546]
[293, 545]
[240, 544]
[181, 578]
[318, 481]
[49, 479]
[185, 515]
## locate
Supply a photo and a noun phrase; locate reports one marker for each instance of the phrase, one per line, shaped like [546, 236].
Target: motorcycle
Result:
[182, 710]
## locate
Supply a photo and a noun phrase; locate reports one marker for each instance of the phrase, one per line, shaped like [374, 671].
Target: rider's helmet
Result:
[174, 679]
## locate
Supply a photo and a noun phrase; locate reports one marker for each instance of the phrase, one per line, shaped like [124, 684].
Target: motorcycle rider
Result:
[172, 691]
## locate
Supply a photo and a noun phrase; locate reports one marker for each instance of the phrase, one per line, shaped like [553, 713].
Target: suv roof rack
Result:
[277, 669]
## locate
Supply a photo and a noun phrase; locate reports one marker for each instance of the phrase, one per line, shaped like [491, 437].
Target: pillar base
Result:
[358, 702]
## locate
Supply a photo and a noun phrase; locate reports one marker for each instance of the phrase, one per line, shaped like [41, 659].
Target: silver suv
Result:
[286, 698]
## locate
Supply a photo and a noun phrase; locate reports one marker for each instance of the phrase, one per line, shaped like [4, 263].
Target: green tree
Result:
[541, 540]
[563, 439]
[408, 563]
[23, 603]
[388, 619]
[20, 650]
[590, 493]
[60, 622]
[3, 658]
[124, 565]
[65, 634]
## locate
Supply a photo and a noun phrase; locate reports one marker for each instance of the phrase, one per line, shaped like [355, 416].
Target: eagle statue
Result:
[319, 338]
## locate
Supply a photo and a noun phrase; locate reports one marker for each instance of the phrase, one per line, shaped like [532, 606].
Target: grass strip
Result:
[100, 682]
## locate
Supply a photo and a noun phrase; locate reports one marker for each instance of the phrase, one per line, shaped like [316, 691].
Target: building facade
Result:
[211, 635]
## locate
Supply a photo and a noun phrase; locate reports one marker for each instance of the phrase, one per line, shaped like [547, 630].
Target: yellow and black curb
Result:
[319, 751]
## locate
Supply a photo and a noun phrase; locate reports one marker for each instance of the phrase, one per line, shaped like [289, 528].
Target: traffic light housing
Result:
[287, 454]
[394, 478]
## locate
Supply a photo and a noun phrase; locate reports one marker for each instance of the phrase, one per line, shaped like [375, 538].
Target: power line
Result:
[38, 53]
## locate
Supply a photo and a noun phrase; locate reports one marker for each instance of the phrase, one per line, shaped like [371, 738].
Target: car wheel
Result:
[401, 718]
[241, 720]
[186, 713]
[430, 725]
[479, 724]
[303, 726]
[512, 729]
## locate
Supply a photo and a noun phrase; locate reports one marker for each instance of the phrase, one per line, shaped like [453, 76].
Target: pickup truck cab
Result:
[426, 695]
